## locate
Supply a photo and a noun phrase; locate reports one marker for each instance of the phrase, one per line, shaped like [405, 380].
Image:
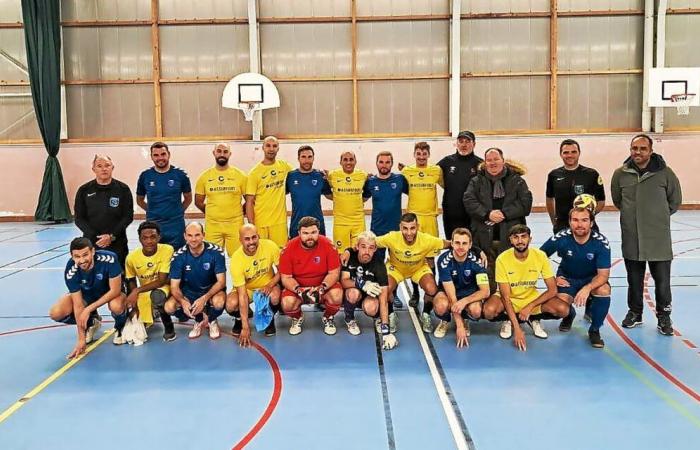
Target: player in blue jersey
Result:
[584, 270]
[164, 192]
[306, 185]
[198, 282]
[463, 285]
[93, 278]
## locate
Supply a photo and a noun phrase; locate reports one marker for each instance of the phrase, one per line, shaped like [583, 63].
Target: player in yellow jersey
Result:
[518, 300]
[408, 249]
[266, 201]
[147, 269]
[253, 268]
[346, 185]
[218, 194]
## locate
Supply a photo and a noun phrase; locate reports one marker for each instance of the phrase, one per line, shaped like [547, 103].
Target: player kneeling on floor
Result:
[93, 278]
[464, 285]
[310, 269]
[365, 281]
[253, 269]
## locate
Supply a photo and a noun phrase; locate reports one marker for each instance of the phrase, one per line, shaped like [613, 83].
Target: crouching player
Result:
[365, 282]
[464, 285]
[93, 278]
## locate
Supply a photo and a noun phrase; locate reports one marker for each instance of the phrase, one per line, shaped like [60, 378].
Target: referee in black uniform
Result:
[104, 207]
[566, 182]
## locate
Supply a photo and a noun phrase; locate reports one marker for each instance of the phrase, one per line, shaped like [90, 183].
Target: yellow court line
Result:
[53, 377]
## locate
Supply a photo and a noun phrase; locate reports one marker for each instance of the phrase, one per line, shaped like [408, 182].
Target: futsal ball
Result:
[586, 201]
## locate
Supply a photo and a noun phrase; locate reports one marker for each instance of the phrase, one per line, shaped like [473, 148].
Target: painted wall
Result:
[23, 166]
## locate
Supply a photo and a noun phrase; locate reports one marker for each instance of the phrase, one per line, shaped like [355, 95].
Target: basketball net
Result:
[682, 102]
[248, 109]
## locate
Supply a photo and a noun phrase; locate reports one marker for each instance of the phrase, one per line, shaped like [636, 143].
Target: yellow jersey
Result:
[522, 276]
[146, 268]
[348, 206]
[422, 189]
[267, 184]
[224, 193]
[407, 258]
[255, 271]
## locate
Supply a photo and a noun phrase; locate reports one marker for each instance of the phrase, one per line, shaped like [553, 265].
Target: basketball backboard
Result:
[250, 92]
[666, 82]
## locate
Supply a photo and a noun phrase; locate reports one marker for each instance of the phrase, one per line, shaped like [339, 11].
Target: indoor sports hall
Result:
[88, 81]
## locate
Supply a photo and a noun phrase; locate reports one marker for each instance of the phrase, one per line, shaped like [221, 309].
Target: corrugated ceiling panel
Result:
[17, 119]
[401, 7]
[499, 6]
[106, 9]
[304, 50]
[12, 42]
[10, 10]
[599, 5]
[401, 48]
[683, 4]
[203, 50]
[304, 8]
[682, 37]
[203, 9]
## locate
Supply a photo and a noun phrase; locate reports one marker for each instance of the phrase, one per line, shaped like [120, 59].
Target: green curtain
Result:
[42, 35]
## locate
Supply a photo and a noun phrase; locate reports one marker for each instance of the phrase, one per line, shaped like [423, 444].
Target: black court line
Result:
[61, 255]
[391, 441]
[25, 234]
[32, 256]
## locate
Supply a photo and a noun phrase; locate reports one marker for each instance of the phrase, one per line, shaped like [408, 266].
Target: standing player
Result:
[565, 183]
[464, 286]
[310, 268]
[266, 203]
[305, 186]
[218, 195]
[150, 264]
[517, 300]
[93, 278]
[198, 282]
[164, 192]
[253, 268]
[345, 185]
[584, 270]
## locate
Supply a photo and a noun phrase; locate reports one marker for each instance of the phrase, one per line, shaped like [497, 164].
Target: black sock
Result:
[427, 307]
[416, 292]
[275, 308]
[349, 310]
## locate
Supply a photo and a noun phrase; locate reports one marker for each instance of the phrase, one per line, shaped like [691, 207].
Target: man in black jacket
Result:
[457, 170]
[104, 207]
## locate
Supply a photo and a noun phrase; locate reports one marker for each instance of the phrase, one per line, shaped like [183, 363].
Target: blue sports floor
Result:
[316, 392]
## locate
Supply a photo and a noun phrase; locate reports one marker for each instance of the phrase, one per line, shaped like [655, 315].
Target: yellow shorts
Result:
[519, 305]
[143, 302]
[428, 224]
[345, 236]
[275, 233]
[415, 276]
[224, 234]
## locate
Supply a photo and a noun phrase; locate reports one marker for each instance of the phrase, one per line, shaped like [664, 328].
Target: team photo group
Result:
[484, 269]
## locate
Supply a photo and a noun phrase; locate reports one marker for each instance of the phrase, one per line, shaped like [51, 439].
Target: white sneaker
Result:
[214, 332]
[92, 330]
[466, 327]
[328, 325]
[393, 322]
[537, 329]
[506, 330]
[295, 327]
[353, 327]
[426, 323]
[196, 330]
[118, 339]
[441, 329]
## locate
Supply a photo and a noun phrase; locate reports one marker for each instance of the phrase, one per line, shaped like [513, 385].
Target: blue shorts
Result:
[575, 285]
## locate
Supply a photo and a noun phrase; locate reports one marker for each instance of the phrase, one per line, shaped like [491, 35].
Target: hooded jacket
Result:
[478, 202]
[646, 203]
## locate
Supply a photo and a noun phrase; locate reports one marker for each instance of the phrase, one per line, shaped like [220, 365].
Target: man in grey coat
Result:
[647, 192]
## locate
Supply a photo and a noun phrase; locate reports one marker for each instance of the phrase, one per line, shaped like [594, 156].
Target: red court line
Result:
[25, 330]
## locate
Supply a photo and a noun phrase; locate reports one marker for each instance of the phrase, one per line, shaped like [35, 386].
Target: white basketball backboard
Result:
[250, 88]
[668, 81]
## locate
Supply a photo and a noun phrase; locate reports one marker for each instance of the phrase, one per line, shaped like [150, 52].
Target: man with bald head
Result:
[253, 268]
[345, 189]
[265, 194]
[219, 195]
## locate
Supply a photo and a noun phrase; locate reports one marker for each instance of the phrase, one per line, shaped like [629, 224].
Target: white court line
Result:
[452, 420]
[10, 269]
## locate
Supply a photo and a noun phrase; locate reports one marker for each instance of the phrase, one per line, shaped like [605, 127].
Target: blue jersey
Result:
[197, 274]
[466, 275]
[306, 190]
[579, 261]
[94, 283]
[386, 201]
[163, 192]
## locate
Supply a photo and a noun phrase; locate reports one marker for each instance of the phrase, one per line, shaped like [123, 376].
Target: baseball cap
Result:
[467, 134]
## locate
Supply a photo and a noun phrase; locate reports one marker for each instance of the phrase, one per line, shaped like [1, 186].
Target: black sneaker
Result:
[594, 337]
[169, 334]
[665, 326]
[415, 298]
[631, 320]
[567, 322]
[271, 329]
[237, 327]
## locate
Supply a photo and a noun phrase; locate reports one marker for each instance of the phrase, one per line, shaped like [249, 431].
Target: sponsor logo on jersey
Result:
[206, 266]
[171, 183]
[347, 179]
[590, 256]
[467, 272]
[273, 173]
[91, 194]
[99, 276]
[578, 189]
[221, 178]
[114, 202]
[393, 186]
[317, 260]
[421, 174]
[314, 182]
[149, 265]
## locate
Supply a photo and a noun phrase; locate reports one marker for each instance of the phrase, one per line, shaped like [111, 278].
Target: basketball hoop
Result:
[682, 103]
[248, 109]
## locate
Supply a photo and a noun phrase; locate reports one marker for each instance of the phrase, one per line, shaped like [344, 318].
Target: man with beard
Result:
[253, 268]
[305, 186]
[93, 278]
[345, 188]
[218, 194]
[517, 272]
[164, 192]
[584, 270]
[266, 202]
[310, 269]
[457, 170]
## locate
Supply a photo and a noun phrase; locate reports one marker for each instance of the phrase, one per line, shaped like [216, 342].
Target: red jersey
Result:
[309, 266]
